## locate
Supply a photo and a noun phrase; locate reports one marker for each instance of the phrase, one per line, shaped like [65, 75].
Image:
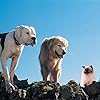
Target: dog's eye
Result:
[59, 45]
[27, 33]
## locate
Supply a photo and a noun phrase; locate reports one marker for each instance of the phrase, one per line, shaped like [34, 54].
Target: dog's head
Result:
[87, 69]
[58, 46]
[26, 35]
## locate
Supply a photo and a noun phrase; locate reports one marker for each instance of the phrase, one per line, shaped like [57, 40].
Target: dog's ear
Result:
[18, 31]
[50, 43]
[21, 27]
[32, 30]
[67, 43]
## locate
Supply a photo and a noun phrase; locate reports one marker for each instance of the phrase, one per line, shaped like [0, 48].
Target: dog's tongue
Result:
[26, 44]
[60, 56]
[32, 44]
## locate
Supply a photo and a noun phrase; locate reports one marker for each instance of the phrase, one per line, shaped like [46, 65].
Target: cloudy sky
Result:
[76, 20]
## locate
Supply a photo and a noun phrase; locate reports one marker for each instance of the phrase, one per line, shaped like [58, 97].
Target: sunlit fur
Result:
[23, 35]
[51, 54]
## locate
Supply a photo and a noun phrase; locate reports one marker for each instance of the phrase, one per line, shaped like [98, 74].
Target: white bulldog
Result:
[11, 46]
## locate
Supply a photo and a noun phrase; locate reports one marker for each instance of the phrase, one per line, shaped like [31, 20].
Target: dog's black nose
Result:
[33, 38]
[63, 52]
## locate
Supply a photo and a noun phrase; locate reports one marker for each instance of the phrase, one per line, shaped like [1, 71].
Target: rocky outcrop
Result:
[46, 90]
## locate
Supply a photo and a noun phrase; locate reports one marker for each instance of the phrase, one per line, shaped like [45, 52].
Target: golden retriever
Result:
[51, 54]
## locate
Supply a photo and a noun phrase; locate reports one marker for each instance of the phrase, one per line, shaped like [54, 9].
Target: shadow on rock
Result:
[46, 90]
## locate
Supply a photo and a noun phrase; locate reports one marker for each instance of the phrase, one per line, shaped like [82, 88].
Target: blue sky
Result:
[76, 20]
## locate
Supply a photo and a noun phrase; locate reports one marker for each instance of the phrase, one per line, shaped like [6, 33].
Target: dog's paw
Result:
[22, 93]
[9, 88]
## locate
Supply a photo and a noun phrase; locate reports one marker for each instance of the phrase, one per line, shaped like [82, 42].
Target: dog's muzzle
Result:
[34, 41]
[64, 52]
[60, 56]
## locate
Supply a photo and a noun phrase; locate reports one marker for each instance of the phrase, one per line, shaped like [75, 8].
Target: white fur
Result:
[86, 79]
[11, 50]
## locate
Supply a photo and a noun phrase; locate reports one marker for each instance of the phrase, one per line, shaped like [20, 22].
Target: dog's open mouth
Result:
[32, 44]
[27, 44]
[60, 56]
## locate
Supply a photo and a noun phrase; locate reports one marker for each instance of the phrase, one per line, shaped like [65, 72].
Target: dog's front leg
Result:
[5, 68]
[8, 85]
[14, 64]
[55, 75]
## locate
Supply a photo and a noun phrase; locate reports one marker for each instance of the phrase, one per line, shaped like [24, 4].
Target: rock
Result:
[66, 92]
[93, 91]
[21, 84]
[78, 92]
[46, 90]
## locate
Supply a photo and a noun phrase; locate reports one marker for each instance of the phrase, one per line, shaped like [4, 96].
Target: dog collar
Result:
[16, 41]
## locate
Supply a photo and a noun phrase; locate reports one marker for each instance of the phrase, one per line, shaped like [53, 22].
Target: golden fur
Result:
[50, 57]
